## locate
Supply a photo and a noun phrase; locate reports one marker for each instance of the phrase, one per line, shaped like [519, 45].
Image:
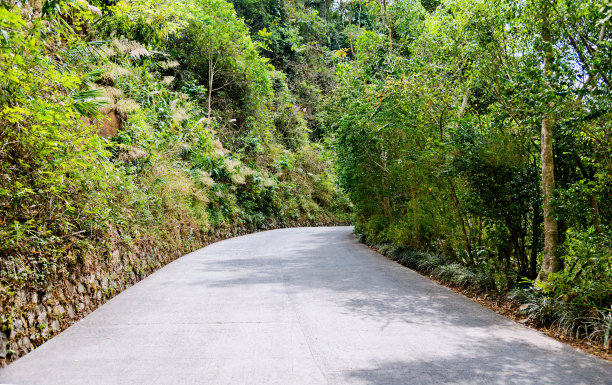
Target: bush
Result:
[579, 321]
[578, 299]
[600, 327]
[587, 275]
[54, 170]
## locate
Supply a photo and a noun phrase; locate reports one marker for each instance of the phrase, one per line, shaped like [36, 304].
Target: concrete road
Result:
[298, 306]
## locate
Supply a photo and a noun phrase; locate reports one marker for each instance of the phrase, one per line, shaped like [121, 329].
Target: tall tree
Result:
[551, 262]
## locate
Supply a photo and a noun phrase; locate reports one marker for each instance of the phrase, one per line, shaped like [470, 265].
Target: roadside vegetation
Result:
[468, 139]
[142, 120]
[474, 140]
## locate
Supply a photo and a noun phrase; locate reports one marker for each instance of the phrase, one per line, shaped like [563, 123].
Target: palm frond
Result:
[86, 104]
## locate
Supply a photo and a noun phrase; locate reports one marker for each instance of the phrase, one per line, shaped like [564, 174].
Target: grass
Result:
[542, 310]
[580, 322]
[439, 267]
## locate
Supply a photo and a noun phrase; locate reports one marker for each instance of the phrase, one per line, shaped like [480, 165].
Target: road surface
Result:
[298, 306]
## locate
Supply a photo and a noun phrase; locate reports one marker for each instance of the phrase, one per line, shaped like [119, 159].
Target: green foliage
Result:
[150, 22]
[298, 39]
[216, 48]
[441, 267]
[210, 114]
[568, 317]
[585, 279]
[437, 134]
[600, 327]
[53, 169]
[106, 127]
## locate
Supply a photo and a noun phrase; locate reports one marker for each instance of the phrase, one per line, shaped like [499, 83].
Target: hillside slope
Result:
[131, 135]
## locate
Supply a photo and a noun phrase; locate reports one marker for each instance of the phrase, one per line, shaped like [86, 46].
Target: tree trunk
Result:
[350, 24]
[211, 78]
[518, 253]
[595, 211]
[211, 75]
[466, 99]
[551, 263]
[415, 221]
[384, 5]
[535, 243]
[468, 241]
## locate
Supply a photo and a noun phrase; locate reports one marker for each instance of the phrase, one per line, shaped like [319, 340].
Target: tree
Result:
[217, 49]
[551, 263]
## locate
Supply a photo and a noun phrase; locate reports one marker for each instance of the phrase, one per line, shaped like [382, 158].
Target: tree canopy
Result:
[480, 129]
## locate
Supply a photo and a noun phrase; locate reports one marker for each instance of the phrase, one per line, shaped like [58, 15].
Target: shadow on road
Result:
[465, 340]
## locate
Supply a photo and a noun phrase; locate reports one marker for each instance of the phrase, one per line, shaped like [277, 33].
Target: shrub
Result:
[587, 274]
[54, 170]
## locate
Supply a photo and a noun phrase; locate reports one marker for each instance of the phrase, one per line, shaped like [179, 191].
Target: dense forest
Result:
[480, 130]
[469, 139]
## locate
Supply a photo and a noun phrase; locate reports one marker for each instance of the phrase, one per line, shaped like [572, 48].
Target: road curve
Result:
[298, 306]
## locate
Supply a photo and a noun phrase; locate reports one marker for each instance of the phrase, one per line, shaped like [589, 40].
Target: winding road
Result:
[298, 306]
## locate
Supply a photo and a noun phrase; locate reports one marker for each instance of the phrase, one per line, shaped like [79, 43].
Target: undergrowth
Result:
[541, 306]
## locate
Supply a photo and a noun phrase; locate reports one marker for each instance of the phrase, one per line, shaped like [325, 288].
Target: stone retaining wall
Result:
[29, 318]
